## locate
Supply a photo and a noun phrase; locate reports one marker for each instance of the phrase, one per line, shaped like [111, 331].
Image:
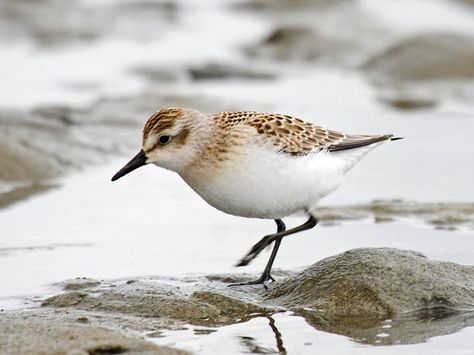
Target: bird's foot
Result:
[265, 277]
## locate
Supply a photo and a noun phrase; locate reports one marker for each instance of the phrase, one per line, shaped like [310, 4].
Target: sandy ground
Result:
[34, 332]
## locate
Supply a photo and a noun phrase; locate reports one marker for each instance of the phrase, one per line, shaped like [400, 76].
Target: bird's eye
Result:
[164, 139]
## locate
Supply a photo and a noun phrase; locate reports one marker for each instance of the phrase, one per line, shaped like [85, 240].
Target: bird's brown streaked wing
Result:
[295, 136]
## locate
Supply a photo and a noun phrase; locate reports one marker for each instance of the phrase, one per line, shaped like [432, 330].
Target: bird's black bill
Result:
[136, 162]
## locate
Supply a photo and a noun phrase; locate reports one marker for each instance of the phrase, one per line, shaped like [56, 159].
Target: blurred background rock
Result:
[80, 77]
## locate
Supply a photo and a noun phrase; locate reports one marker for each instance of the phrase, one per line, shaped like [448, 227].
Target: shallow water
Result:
[285, 333]
[151, 223]
[130, 234]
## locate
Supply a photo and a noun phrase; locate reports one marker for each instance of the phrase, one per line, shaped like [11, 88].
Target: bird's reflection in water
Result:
[276, 332]
[254, 348]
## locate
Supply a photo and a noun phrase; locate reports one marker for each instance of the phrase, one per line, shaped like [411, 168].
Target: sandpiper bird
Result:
[251, 164]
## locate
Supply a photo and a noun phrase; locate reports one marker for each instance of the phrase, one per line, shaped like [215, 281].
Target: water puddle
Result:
[287, 333]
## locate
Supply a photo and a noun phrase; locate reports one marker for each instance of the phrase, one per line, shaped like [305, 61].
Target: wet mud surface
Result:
[361, 294]
[450, 216]
[38, 332]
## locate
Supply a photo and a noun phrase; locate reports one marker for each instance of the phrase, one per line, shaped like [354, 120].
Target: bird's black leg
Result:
[266, 272]
[267, 240]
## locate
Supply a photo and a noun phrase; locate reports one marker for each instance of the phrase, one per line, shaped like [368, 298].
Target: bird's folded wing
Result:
[297, 137]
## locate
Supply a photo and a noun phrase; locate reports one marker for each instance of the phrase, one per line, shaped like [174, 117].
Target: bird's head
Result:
[171, 139]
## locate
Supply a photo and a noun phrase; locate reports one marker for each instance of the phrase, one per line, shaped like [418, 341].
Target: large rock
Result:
[426, 56]
[376, 284]
[295, 42]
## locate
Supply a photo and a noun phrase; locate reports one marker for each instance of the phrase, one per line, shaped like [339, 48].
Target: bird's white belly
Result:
[267, 184]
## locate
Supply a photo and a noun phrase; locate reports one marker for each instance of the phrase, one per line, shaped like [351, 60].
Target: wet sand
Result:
[36, 332]
[359, 294]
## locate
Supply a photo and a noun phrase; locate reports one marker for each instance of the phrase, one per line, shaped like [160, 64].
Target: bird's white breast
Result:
[263, 183]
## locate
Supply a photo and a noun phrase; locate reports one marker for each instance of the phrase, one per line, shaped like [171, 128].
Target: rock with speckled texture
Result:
[376, 284]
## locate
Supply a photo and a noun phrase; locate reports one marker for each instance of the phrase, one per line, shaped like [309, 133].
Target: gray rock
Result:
[54, 22]
[44, 143]
[79, 283]
[17, 194]
[448, 216]
[286, 5]
[410, 103]
[20, 163]
[376, 284]
[294, 42]
[215, 71]
[29, 146]
[199, 307]
[159, 74]
[426, 57]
